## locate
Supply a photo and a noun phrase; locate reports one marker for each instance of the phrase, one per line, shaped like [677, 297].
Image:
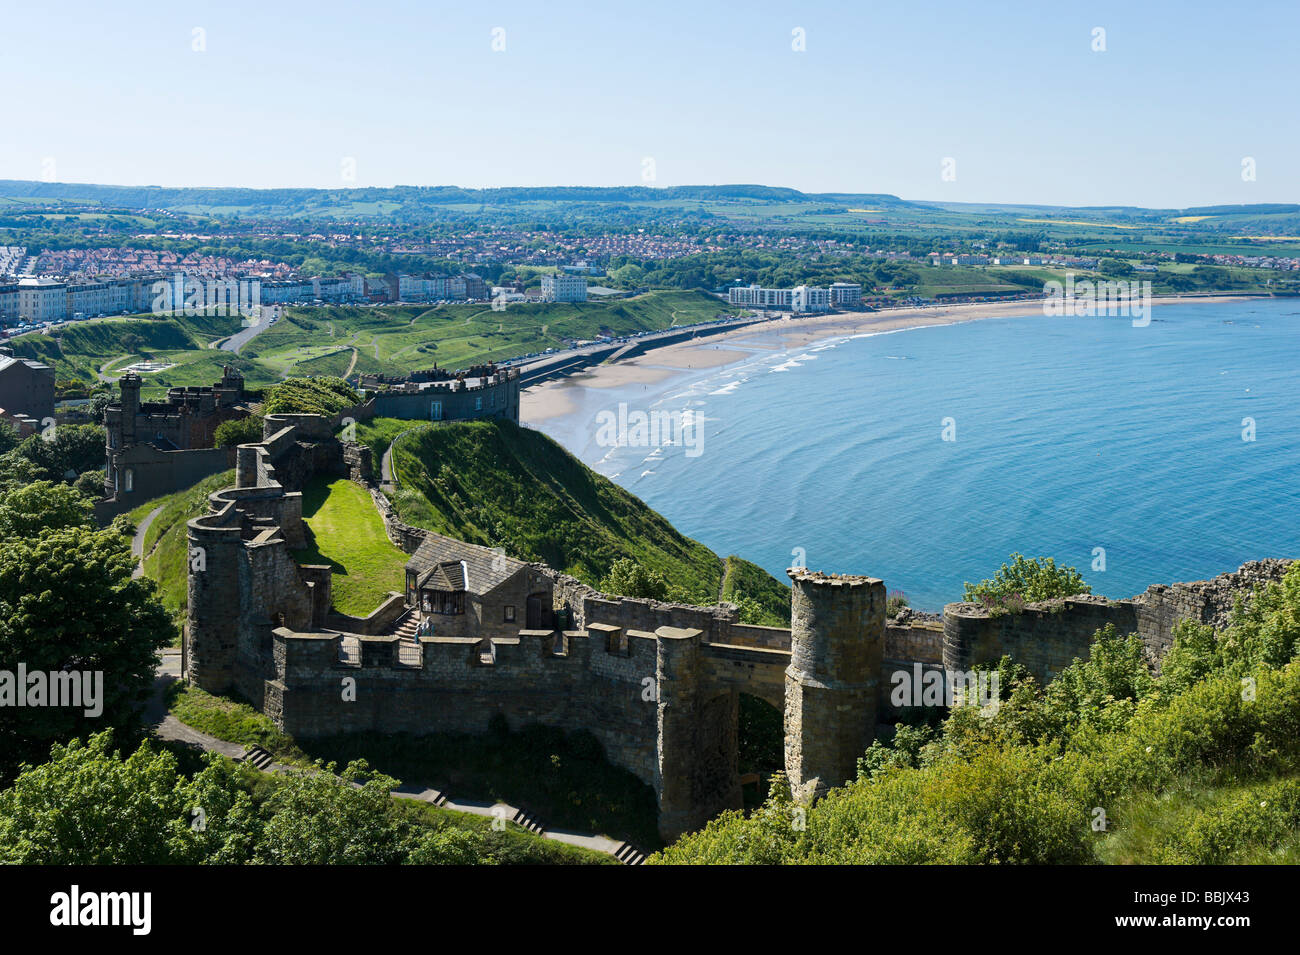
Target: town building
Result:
[42, 300]
[563, 287]
[26, 387]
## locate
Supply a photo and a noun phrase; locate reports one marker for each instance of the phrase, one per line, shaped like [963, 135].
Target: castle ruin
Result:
[478, 635]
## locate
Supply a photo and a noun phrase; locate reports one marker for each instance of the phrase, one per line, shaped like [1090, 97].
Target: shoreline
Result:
[551, 399]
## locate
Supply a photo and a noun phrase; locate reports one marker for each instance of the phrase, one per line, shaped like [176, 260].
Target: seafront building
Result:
[801, 298]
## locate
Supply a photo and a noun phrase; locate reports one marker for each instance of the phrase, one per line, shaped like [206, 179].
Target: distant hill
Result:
[386, 201]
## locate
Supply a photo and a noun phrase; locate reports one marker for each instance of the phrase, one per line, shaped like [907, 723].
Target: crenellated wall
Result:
[658, 684]
[649, 698]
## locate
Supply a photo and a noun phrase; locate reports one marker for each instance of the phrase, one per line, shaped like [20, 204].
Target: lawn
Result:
[166, 542]
[346, 532]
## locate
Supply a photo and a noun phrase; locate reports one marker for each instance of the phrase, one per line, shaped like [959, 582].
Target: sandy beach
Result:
[552, 399]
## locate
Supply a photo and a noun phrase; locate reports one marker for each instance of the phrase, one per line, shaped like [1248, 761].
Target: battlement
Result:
[817, 578]
[477, 635]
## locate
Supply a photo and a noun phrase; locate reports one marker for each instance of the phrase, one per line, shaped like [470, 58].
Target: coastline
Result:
[553, 399]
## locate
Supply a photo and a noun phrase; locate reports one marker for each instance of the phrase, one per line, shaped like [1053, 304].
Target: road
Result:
[244, 336]
[137, 542]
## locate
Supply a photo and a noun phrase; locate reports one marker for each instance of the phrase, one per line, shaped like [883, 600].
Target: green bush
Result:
[1025, 580]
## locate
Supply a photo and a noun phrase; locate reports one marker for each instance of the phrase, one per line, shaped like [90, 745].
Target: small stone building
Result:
[26, 387]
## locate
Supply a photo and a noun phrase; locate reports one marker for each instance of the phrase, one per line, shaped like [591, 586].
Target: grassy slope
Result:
[499, 484]
[166, 546]
[453, 336]
[78, 348]
[346, 532]
[320, 340]
[379, 433]
[745, 579]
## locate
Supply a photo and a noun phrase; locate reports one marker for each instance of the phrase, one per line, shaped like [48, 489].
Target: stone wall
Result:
[644, 696]
[1047, 637]
[915, 641]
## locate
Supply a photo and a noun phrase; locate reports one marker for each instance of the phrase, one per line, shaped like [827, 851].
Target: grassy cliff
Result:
[498, 484]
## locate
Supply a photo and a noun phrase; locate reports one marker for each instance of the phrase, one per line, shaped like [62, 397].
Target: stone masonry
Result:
[479, 635]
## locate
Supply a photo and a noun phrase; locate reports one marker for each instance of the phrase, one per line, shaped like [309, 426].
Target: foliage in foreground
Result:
[92, 805]
[1109, 762]
[68, 604]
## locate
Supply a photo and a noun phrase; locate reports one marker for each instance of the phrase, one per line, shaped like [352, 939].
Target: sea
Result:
[1137, 453]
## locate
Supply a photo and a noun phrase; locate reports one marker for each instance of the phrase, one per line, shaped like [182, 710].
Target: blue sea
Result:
[1120, 450]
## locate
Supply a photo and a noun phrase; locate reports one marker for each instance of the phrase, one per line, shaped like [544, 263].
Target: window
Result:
[510, 614]
[435, 411]
[444, 602]
[129, 482]
[478, 403]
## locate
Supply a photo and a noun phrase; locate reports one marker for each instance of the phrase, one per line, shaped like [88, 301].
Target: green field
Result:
[346, 532]
[334, 340]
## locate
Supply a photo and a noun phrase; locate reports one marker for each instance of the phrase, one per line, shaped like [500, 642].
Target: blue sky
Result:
[583, 94]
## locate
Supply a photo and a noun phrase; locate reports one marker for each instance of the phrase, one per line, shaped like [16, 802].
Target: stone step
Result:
[526, 821]
[258, 757]
[629, 854]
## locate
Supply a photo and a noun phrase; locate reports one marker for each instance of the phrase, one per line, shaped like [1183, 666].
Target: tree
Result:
[43, 505]
[239, 431]
[132, 342]
[322, 819]
[90, 483]
[629, 579]
[8, 437]
[17, 470]
[1026, 580]
[68, 603]
[89, 806]
[72, 449]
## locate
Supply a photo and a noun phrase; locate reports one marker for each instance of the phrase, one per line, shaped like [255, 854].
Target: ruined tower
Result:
[213, 603]
[837, 641]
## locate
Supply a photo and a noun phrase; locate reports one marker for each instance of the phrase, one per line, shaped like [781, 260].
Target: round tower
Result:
[213, 604]
[837, 640]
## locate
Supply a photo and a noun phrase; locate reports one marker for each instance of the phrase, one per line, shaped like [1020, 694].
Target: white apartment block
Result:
[563, 287]
[42, 300]
[808, 298]
[846, 294]
[801, 298]
[752, 296]
[8, 303]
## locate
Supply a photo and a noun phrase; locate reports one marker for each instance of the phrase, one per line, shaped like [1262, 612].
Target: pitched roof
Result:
[448, 564]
